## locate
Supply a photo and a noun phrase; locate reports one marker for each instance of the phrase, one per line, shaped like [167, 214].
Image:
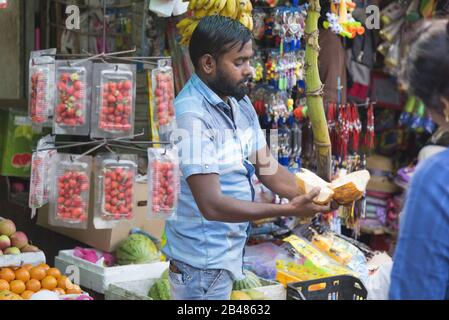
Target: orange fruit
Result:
[37, 273]
[17, 286]
[54, 272]
[74, 289]
[27, 294]
[33, 285]
[64, 282]
[45, 266]
[22, 274]
[59, 290]
[7, 274]
[4, 285]
[27, 266]
[49, 283]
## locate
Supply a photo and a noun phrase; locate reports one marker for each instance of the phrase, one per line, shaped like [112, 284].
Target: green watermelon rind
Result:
[251, 281]
[160, 290]
[132, 250]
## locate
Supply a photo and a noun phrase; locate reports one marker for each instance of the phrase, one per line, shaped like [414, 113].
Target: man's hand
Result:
[303, 206]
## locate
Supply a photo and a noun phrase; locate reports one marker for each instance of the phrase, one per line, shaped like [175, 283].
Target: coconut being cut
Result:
[343, 190]
[307, 180]
[350, 187]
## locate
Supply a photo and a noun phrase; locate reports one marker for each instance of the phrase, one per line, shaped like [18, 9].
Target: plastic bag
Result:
[40, 177]
[41, 83]
[306, 262]
[114, 105]
[69, 204]
[72, 101]
[114, 189]
[164, 95]
[163, 182]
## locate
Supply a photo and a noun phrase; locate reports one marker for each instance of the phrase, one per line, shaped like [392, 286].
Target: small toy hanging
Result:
[340, 20]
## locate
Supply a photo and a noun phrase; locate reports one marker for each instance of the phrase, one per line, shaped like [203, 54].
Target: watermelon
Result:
[250, 281]
[165, 275]
[137, 249]
[160, 290]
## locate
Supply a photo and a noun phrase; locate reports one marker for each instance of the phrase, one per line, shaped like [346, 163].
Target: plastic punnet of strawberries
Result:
[116, 108]
[118, 193]
[71, 107]
[72, 189]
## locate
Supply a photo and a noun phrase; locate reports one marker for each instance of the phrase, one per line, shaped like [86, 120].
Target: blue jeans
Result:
[189, 283]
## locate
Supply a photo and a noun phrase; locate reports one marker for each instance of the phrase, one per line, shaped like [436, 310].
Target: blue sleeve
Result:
[196, 145]
[421, 260]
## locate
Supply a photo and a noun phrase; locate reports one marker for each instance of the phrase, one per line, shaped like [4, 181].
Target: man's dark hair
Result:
[216, 35]
[427, 70]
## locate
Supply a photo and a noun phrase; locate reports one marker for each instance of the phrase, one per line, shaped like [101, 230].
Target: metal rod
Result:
[104, 27]
[126, 147]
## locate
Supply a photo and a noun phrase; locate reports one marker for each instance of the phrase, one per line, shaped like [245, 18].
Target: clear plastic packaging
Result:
[114, 103]
[72, 101]
[40, 174]
[69, 201]
[163, 183]
[41, 86]
[114, 189]
[164, 95]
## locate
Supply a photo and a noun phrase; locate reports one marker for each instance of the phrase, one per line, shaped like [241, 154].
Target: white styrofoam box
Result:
[138, 290]
[98, 278]
[130, 290]
[272, 290]
[17, 260]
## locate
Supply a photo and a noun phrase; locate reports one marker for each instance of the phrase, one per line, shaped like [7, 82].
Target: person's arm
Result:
[421, 261]
[218, 207]
[273, 175]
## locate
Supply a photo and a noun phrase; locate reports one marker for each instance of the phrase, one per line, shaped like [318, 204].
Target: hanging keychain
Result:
[369, 134]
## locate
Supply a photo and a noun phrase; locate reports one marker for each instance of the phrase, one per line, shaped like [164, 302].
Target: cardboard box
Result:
[108, 239]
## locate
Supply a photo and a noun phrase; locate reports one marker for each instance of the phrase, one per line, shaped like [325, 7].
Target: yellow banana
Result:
[248, 7]
[209, 4]
[251, 23]
[200, 4]
[200, 13]
[192, 4]
[219, 5]
[242, 19]
[181, 25]
[242, 5]
[189, 30]
[212, 11]
[229, 9]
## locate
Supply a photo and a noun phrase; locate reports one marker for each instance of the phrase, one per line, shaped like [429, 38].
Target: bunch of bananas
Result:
[235, 9]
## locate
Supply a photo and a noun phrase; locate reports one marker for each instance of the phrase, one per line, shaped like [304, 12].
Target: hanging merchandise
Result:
[40, 174]
[235, 9]
[114, 103]
[340, 20]
[259, 17]
[369, 133]
[114, 189]
[69, 199]
[72, 102]
[41, 86]
[163, 92]
[163, 183]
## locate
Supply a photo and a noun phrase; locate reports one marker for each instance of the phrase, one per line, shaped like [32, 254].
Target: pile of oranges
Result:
[28, 279]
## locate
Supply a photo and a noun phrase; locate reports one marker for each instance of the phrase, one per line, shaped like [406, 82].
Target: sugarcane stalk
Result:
[314, 93]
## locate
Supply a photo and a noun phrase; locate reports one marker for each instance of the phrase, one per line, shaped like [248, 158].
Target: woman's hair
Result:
[216, 35]
[427, 68]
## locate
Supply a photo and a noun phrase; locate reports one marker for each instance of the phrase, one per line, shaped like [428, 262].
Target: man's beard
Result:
[223, 87]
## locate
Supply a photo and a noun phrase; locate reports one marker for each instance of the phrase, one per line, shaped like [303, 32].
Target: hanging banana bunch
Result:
[235, 9]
